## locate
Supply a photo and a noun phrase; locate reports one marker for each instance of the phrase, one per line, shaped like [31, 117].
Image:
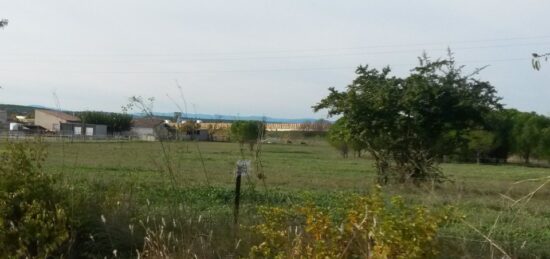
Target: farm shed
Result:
[25, 128]
[197, 134]
[189, 130]
[84, 129]
[51, 120]
[150, 129]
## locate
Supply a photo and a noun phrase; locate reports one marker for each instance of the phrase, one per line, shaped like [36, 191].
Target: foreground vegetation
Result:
[152, 199]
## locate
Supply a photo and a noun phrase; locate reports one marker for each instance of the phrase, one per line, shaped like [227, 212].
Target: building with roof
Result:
[51, 120]
[190, 130]
[21, 128]
[150, 129]
[83, 129]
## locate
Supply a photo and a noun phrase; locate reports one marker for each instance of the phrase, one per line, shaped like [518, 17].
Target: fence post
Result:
[237, 199]
[243, 167]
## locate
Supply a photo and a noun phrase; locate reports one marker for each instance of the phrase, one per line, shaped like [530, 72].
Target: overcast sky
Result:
[275, 58]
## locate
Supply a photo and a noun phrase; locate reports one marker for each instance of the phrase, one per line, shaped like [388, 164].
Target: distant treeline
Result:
[13, 110]
[506, 132]
[410, 124]
[116, 122]
[509, 132]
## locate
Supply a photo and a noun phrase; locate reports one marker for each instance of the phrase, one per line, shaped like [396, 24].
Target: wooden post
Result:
[242, 169]
[237, 199]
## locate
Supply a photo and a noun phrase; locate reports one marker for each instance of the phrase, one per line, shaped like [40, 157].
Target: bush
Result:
[101, 214]
[368, 228]
[32, 223]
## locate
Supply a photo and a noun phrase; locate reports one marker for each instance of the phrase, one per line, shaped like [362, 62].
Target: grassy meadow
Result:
[196, 180]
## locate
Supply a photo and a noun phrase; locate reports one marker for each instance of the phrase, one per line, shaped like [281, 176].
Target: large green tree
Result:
[407, 123]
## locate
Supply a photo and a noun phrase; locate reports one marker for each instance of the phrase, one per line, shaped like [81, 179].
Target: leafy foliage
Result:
[500, 123]
[116, 122]
[32, 223]
[544, 144]
[247, 132]
[481, 142]
[407, 123]
[337, 135]
[369, 228]
[527, 134]
[340, 138]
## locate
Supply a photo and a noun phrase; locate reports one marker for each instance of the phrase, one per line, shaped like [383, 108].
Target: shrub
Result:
[32, 223]
[101, 214]
[369, 228]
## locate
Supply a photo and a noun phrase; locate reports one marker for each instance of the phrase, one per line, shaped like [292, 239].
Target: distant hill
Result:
[17, 109]
[219, 117]
[29, 109]
[38, 106]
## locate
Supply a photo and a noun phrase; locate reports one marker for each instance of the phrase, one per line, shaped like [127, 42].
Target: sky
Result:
[272, 58]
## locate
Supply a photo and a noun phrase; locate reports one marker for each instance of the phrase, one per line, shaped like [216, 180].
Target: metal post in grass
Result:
[243, 167]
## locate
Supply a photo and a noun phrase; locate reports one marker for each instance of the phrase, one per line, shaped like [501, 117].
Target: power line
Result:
[308, 49]
[314, 56]
[256, 70]
[404, 45]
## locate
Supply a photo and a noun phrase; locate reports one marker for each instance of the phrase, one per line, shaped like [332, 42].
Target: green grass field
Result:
[315, 171]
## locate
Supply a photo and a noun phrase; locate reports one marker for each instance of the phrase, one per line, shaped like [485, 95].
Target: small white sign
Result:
[243, 167]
